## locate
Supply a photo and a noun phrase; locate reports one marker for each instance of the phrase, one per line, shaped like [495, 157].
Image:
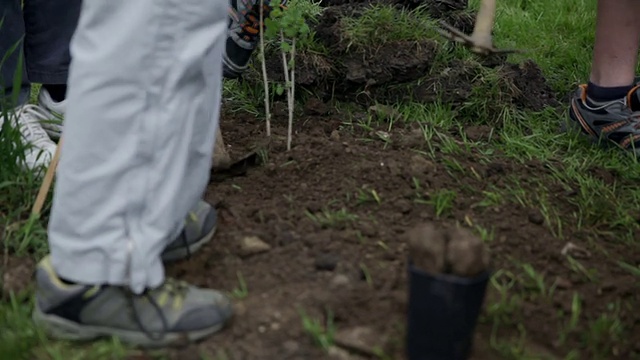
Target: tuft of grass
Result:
[442, 201]
[22, 234]
[379, 24]
[240, 97]
[21, 340]
[603, 331]
[241, 291]
[321, 334]
[366, 195]
[486, 235]
[333, 218]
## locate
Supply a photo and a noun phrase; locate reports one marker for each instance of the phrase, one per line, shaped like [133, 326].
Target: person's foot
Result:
[613, 121]
[200, 226]
[243, 34]
[55, 113]
[171, 314]
[39, 149]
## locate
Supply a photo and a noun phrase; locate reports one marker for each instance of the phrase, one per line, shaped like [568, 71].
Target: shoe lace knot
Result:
[634, 120]
[172, 293]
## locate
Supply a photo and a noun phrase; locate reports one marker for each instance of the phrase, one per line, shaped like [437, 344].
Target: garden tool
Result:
[481, 41]
[46, 183]
[220, 157]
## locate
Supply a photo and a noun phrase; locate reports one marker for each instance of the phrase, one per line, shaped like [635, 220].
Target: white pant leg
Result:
[143, 104]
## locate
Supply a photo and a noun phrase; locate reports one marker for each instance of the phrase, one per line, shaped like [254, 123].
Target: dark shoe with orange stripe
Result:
[244, 34]
[611, 122]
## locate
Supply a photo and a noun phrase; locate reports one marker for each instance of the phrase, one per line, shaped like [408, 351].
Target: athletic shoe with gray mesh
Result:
[243, 34]
[199, 227]
[172, 314]
[612, 121]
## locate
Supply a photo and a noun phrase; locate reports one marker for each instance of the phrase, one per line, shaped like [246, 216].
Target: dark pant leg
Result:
[12, 31]
[50, 25]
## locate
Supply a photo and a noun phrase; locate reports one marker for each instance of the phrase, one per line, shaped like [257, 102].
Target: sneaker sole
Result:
[182, 253]
[231, 70]
[62, 329]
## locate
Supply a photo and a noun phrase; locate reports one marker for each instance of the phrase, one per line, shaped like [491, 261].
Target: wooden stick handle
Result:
[485, 21]
[46, 183]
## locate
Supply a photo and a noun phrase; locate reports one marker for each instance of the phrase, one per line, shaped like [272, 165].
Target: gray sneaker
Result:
[200, 226]
[173, 314]
[616, 122]
[243, 34]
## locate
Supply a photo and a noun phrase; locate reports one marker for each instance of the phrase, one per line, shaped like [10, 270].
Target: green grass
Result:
[322, 334]
[558, 35]
[381, 23]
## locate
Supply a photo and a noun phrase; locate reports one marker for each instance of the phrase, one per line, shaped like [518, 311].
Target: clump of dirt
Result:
[354, 71]
[16, 274]
[462, 20]
[436, 8]
[526, 85]
[452, 250]
[403, 70]
[311, 69]
[391, 63]
[452, 84]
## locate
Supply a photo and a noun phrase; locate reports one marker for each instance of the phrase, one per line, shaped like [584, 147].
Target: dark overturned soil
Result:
[403, 70]
[353, 266]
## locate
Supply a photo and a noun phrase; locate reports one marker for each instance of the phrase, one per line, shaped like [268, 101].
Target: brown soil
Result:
[357, 267]
[354, 265]
[15, 273]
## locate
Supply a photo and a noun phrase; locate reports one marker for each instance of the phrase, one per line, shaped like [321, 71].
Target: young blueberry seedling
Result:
[290, 27]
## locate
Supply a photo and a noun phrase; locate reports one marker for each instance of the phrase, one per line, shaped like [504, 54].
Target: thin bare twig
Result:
[291, 94]
[285, 67]
[264, 70]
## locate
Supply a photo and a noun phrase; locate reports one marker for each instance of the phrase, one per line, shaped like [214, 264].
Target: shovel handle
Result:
[484, 23]
[46, 183]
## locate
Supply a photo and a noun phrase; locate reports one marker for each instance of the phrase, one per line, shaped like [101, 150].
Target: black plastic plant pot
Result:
[443, 311]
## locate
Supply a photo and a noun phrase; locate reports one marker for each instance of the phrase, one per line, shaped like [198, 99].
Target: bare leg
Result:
[617, 41]
[602, 108]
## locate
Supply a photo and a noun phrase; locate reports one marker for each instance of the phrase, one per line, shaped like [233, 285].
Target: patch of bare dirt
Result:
[16, 274]
[333, 213]
[328, 245]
